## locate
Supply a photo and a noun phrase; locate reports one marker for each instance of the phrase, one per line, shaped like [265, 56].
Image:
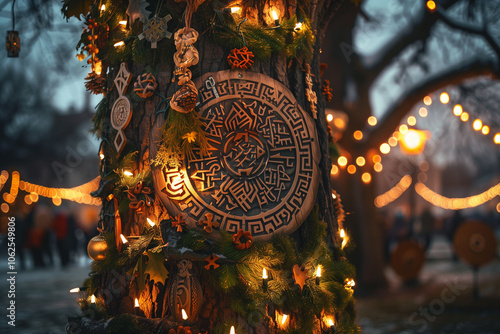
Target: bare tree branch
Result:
[473, 29]
[473, 68]
[420, 29]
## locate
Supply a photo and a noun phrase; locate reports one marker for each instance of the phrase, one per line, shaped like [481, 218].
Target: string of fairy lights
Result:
[456, 203]
[282, 319]
[436, 199]
[79, 194]
[408, 139]
[394, 193]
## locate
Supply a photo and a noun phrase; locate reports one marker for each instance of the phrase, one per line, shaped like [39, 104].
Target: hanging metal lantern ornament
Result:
[97, 248]
[13, 42]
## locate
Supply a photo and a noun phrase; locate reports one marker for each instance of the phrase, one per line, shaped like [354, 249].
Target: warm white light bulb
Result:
[283, 320]
[318, 271]
[274, 15]
[124, 240]
[184, 315]
[264, 273]
[150, 222]
[92, 299]
[136, 304]
[74, 290]
[444, 98]
[412, 139]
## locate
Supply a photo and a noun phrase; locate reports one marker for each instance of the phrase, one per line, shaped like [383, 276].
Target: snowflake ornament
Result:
[155, 29]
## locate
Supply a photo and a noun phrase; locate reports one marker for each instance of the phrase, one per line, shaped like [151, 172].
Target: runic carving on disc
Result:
[262, 173]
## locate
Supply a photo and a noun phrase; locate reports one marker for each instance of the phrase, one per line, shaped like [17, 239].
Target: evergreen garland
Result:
[102, 112]
[263, 42]
[239, 276]
[182, 133]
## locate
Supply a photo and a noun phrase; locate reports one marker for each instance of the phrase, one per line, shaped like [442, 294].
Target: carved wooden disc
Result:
[121, 113]
[262, 175]
[407, 259]
[475, 243]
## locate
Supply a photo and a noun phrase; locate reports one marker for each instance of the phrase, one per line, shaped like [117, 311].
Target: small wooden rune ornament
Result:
[145, 85]
[155, 29]
[208, 225]
[262, 174]
[178, 222]
[121, 113]
[240, 58]
[185, 292]
[211, 262]
[242, 240]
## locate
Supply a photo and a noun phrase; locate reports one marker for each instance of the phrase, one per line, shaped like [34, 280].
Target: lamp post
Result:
[413, 143]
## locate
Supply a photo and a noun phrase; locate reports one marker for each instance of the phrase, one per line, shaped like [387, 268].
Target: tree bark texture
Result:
[116, 292]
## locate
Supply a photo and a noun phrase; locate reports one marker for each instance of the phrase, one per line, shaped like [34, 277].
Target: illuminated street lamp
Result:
[413, 142]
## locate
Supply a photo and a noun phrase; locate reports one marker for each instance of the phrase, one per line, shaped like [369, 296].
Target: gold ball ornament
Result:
[97, 248]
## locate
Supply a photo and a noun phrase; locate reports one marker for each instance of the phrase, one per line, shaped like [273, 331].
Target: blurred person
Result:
[22, 226]
[71, 236]
[455, 221]
[61, 229]
[48, 243]
[386, 226]
[427, 221]
[37, 225]
[400, 229]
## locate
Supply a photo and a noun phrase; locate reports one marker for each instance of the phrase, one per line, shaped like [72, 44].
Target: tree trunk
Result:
[116, 292]
[351, 93]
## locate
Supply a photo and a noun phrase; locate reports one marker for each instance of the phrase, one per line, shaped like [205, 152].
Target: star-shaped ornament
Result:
[155, 29]
[190, 136]
[178, 223]
[209, 224]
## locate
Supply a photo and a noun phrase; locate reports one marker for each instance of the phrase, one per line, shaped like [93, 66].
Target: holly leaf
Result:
[137, 10]
[139, 273]
[300, 276]
[155, 268]
[76, 8]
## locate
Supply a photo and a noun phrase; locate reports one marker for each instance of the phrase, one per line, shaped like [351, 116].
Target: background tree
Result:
[34, 125]
[422, 50]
